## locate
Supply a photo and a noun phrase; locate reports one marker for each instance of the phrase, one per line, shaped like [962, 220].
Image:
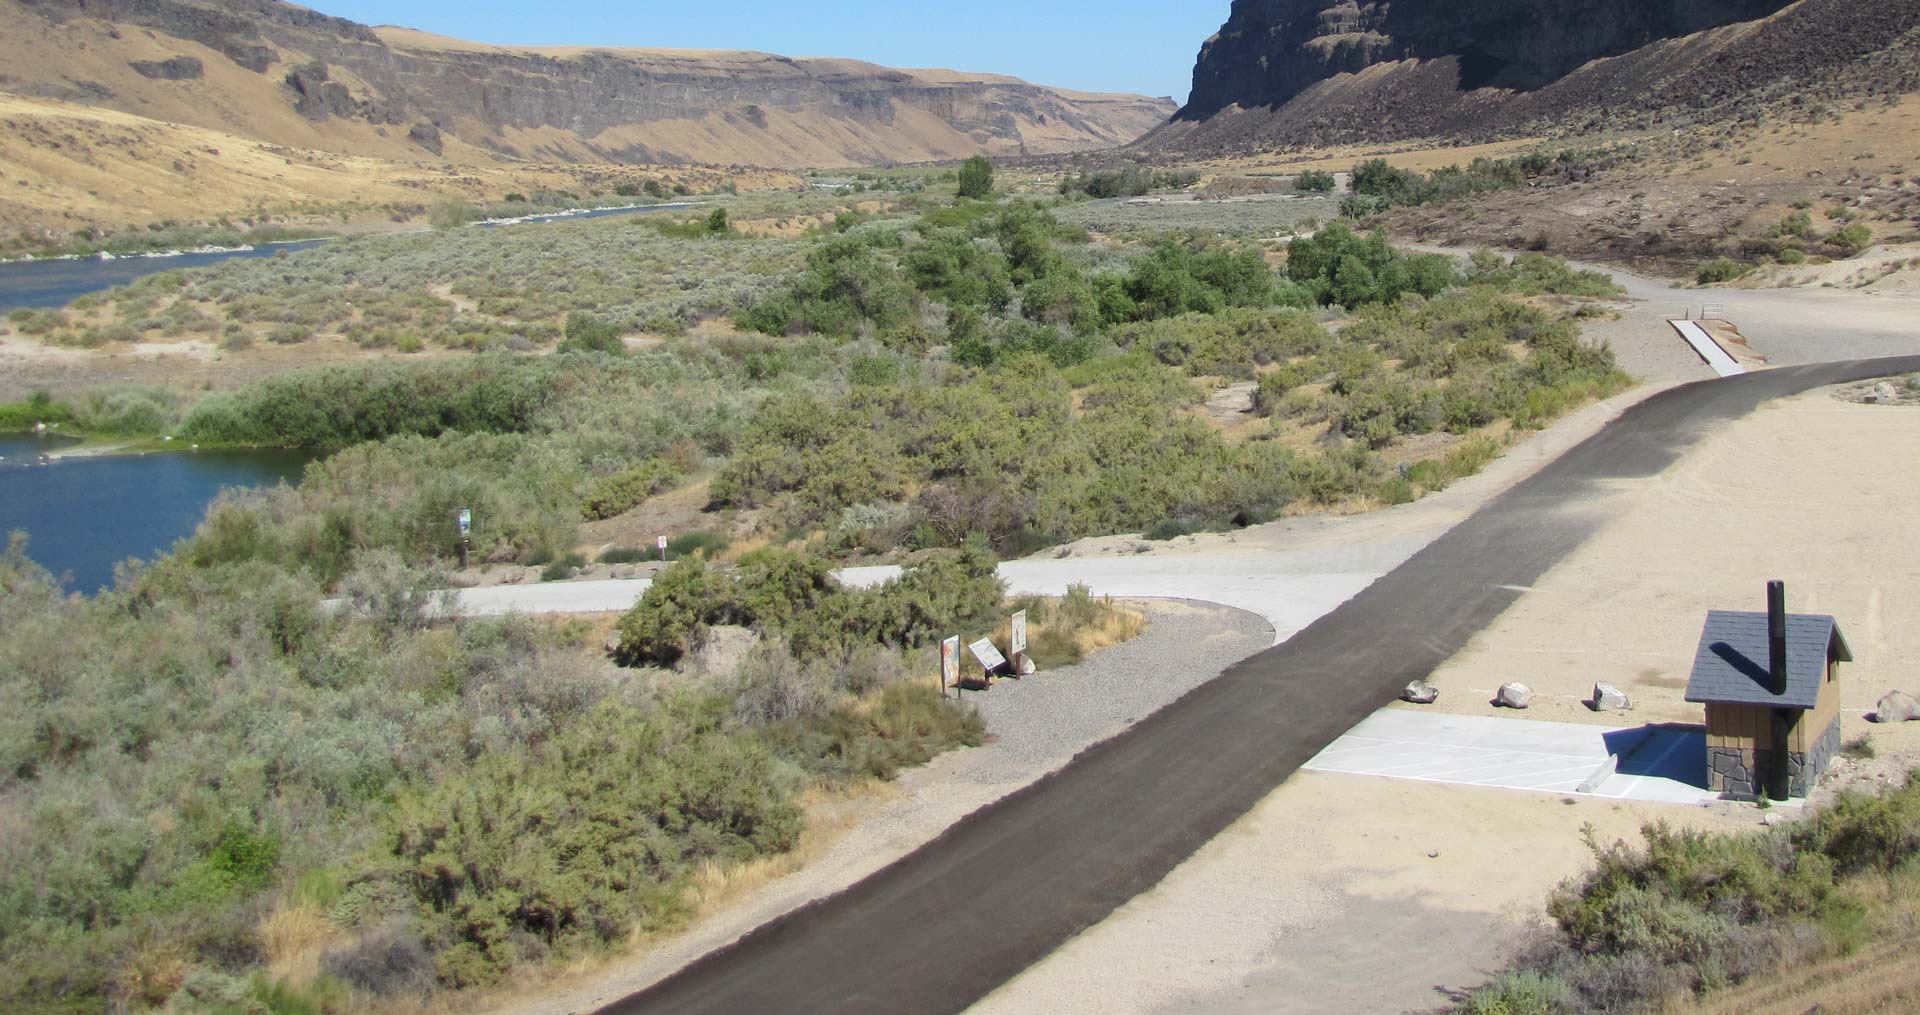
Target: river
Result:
[84, 514]
[55, 282]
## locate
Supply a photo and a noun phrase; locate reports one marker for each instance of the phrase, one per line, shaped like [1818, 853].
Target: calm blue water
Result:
[83, 515]
[57, 283]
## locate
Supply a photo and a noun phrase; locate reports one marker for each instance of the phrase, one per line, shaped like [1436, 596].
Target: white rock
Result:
[1420, 693]
[1608, 698]
[718, 650]
[1514, 695]
[1897, 706]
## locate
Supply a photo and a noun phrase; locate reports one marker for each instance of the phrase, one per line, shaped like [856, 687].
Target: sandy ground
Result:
[1354, 894]
[1337, 894]
[1806, 490]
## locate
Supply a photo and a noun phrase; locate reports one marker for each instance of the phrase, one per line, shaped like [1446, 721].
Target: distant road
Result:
[945, 925]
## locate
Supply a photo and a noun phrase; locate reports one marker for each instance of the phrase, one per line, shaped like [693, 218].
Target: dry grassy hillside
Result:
[64, 167]
[273, 72]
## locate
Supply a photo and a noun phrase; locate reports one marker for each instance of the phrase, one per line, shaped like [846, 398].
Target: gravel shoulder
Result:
[1035, 725]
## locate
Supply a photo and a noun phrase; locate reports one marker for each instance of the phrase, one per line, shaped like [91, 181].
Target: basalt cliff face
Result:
[300, 77]
[1327, 71]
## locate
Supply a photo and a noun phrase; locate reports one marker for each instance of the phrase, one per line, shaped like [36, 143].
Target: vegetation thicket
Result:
[1378, 186]
[208, 774]
[1691, 912]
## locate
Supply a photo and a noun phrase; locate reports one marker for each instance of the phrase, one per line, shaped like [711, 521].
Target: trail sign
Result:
[949, 663]
[989, 657]
[1018, 638]
[466, 522]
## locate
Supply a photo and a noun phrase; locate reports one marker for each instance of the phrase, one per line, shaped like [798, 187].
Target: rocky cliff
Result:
[247, 64]
[1319, 71]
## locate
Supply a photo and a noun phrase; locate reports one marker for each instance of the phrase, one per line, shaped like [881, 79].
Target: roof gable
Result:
[1731, 664]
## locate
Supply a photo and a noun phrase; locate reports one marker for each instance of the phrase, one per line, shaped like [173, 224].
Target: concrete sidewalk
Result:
[1658, 764]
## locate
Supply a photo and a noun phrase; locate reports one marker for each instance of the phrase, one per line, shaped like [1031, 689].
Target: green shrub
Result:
[515, 852]
[1852, 239]
[616, 494]
[697, 544]
[684, 598]
[562, 567]
[40, 407]
[1523, 993]
[586, 333]
[1721, 269]
[976, 178]
[793, 595]
[1314, 181]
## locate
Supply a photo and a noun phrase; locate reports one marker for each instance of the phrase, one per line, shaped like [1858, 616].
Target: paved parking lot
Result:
[1659, 763]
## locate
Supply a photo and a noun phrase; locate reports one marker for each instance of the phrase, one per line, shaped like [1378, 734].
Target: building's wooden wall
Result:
[1741, 727]
[1817, 719]
[1749, 727]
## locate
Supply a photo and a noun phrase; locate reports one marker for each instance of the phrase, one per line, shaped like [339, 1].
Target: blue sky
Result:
[1143, 46]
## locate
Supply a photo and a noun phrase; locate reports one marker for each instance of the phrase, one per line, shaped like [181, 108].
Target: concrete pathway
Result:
[1660, 764]
[1708, 349]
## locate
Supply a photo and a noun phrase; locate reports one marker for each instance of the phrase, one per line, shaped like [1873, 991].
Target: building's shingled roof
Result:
[1731, 665]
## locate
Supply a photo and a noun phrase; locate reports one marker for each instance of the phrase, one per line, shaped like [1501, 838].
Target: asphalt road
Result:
[950, 922]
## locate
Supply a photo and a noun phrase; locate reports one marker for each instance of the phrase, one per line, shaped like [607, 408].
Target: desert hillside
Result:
[275, 72]
[1285, 73]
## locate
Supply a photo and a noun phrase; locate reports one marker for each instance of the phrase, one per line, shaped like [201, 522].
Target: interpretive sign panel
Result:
[989, 656]
[466, 522]
[950, 662]
[1018, 639]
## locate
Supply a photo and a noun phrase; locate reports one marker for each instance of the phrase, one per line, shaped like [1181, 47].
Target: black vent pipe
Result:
[1777, 635]
[1780, 776]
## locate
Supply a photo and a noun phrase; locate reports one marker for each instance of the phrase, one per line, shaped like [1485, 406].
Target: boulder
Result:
[1884, 392]
[1420, 693]
[613, 643]
[427, 136]
[1608, 698]
[1514, 695]
[179, 68]
[1897, 706]
[718, 651]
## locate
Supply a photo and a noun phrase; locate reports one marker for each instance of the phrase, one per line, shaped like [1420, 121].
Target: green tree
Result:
[1314, 181]
[717, 221]
[976, 178]
[1353, 283]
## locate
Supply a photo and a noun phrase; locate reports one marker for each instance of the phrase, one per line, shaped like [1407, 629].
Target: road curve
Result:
[950, 922]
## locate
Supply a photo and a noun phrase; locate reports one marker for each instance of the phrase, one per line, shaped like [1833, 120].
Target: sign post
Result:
[466, 533]
[1017, 642]
[950, 666]
[661, 542]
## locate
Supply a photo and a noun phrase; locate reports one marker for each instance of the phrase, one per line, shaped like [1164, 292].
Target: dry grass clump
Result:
[1065, 631]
